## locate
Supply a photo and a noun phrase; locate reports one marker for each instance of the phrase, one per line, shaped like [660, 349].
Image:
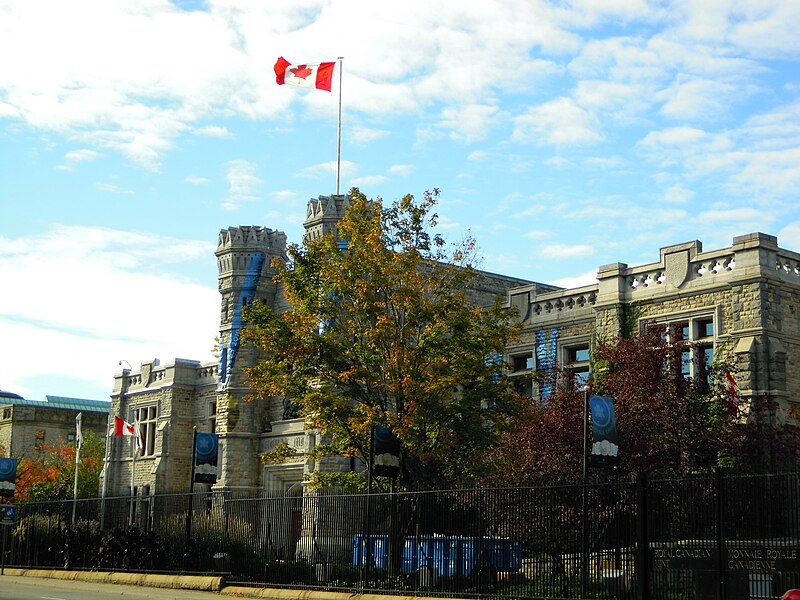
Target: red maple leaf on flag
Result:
[301, 71]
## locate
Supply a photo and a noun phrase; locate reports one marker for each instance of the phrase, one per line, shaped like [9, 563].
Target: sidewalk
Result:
[199, 583]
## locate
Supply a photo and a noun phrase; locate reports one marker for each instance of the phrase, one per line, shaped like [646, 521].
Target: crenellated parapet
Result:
[236, 245]
[323, 213]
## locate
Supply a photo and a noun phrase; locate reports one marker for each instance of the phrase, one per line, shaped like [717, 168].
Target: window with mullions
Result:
[145, 417]
[577, 364]
[696, 338]
[523, 363]
[521, 366]
[212, 415]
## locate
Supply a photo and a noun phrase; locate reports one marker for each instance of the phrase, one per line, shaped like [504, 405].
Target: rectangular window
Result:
[579, 354]
[6, 413]
[686, 363]
[212, 416]
[577, 364]
[145, 417]
[705, 328]
[580, 376]
[708, 353]
[523, 363]
[679, 331]
[524, 386]
[695, 337]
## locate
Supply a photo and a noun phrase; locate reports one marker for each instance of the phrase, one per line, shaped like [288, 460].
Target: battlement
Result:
[323, 213]
[251, 237]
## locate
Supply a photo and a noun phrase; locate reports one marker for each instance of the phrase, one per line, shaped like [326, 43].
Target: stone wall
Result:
[751, 290]
[180, 390]
[29, 426]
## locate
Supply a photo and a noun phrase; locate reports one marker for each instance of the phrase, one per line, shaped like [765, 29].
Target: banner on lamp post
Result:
[205, 457]
[8, 476]
[604, 432]
[386, 459]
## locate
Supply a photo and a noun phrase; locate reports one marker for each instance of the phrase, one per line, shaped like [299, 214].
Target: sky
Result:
[563, 135]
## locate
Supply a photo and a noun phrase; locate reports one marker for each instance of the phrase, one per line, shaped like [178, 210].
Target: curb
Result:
[177, 582]
[200, 583]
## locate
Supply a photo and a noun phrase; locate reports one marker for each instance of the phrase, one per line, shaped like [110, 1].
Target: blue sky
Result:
[563, 136]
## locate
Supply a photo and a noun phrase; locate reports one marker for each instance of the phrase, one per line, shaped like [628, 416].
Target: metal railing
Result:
[720, 537]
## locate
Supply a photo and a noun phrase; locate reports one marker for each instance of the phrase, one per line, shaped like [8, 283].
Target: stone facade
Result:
[26, 424]
[743, 301]
[173, 399]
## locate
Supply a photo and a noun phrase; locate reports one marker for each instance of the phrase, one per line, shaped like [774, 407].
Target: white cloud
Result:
[213, 131]
[243, 184]
[605, 162]
[368, 180]
[560, 122]
[622, 100]
[113, 312]
[558, 162]
[195, 180]
[469, 122]
[327, 168]
[531, 211]
[75, 157]
[111, 188]
[361, 136]
[588, 278]
[537, 234]
[401, 169]
[283, 195]
[699, 99]
[678, 194]
[566, 251]
[789, 236]
[476, 155]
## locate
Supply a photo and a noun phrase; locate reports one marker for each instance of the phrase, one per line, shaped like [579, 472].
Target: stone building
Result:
[743, 300]
[27, 424]
[169, 400]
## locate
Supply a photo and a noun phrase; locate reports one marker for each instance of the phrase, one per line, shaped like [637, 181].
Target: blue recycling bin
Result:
[448, 555]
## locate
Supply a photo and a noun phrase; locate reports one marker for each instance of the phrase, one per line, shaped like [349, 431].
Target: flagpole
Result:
[339, 131]
[104, 489]
[78, 441]
[133, 464]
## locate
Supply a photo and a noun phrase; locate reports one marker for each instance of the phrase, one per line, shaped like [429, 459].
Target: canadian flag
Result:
[122, 427]
[734, 393]
[305, 75]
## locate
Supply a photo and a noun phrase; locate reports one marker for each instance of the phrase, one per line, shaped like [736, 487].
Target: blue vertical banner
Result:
[386, 461]
[206, 453]
[246, 296]
[604, 432]
[546, 359]
[8, 476]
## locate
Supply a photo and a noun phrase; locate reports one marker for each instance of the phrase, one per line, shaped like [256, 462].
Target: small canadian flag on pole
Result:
[122, 427]
[317, 75]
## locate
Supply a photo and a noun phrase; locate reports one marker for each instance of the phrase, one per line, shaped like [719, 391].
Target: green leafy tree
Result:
[382, 332]
[49, 474]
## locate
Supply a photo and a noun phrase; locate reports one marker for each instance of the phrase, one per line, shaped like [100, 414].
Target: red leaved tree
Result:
[667, 422]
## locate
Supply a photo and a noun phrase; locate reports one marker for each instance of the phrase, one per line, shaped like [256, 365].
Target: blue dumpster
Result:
[448, 555]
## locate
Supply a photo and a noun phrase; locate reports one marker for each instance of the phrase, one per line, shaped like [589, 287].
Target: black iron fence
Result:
[722, 537]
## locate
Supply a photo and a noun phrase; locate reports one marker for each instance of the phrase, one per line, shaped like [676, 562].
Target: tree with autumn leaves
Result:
[49, 473]
[667, 423]
[382, 333]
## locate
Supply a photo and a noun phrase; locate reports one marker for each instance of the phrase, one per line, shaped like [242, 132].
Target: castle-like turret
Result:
[245, 258]
[323, 214]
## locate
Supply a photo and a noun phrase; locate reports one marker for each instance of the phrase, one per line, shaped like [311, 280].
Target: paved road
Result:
[35, 588]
